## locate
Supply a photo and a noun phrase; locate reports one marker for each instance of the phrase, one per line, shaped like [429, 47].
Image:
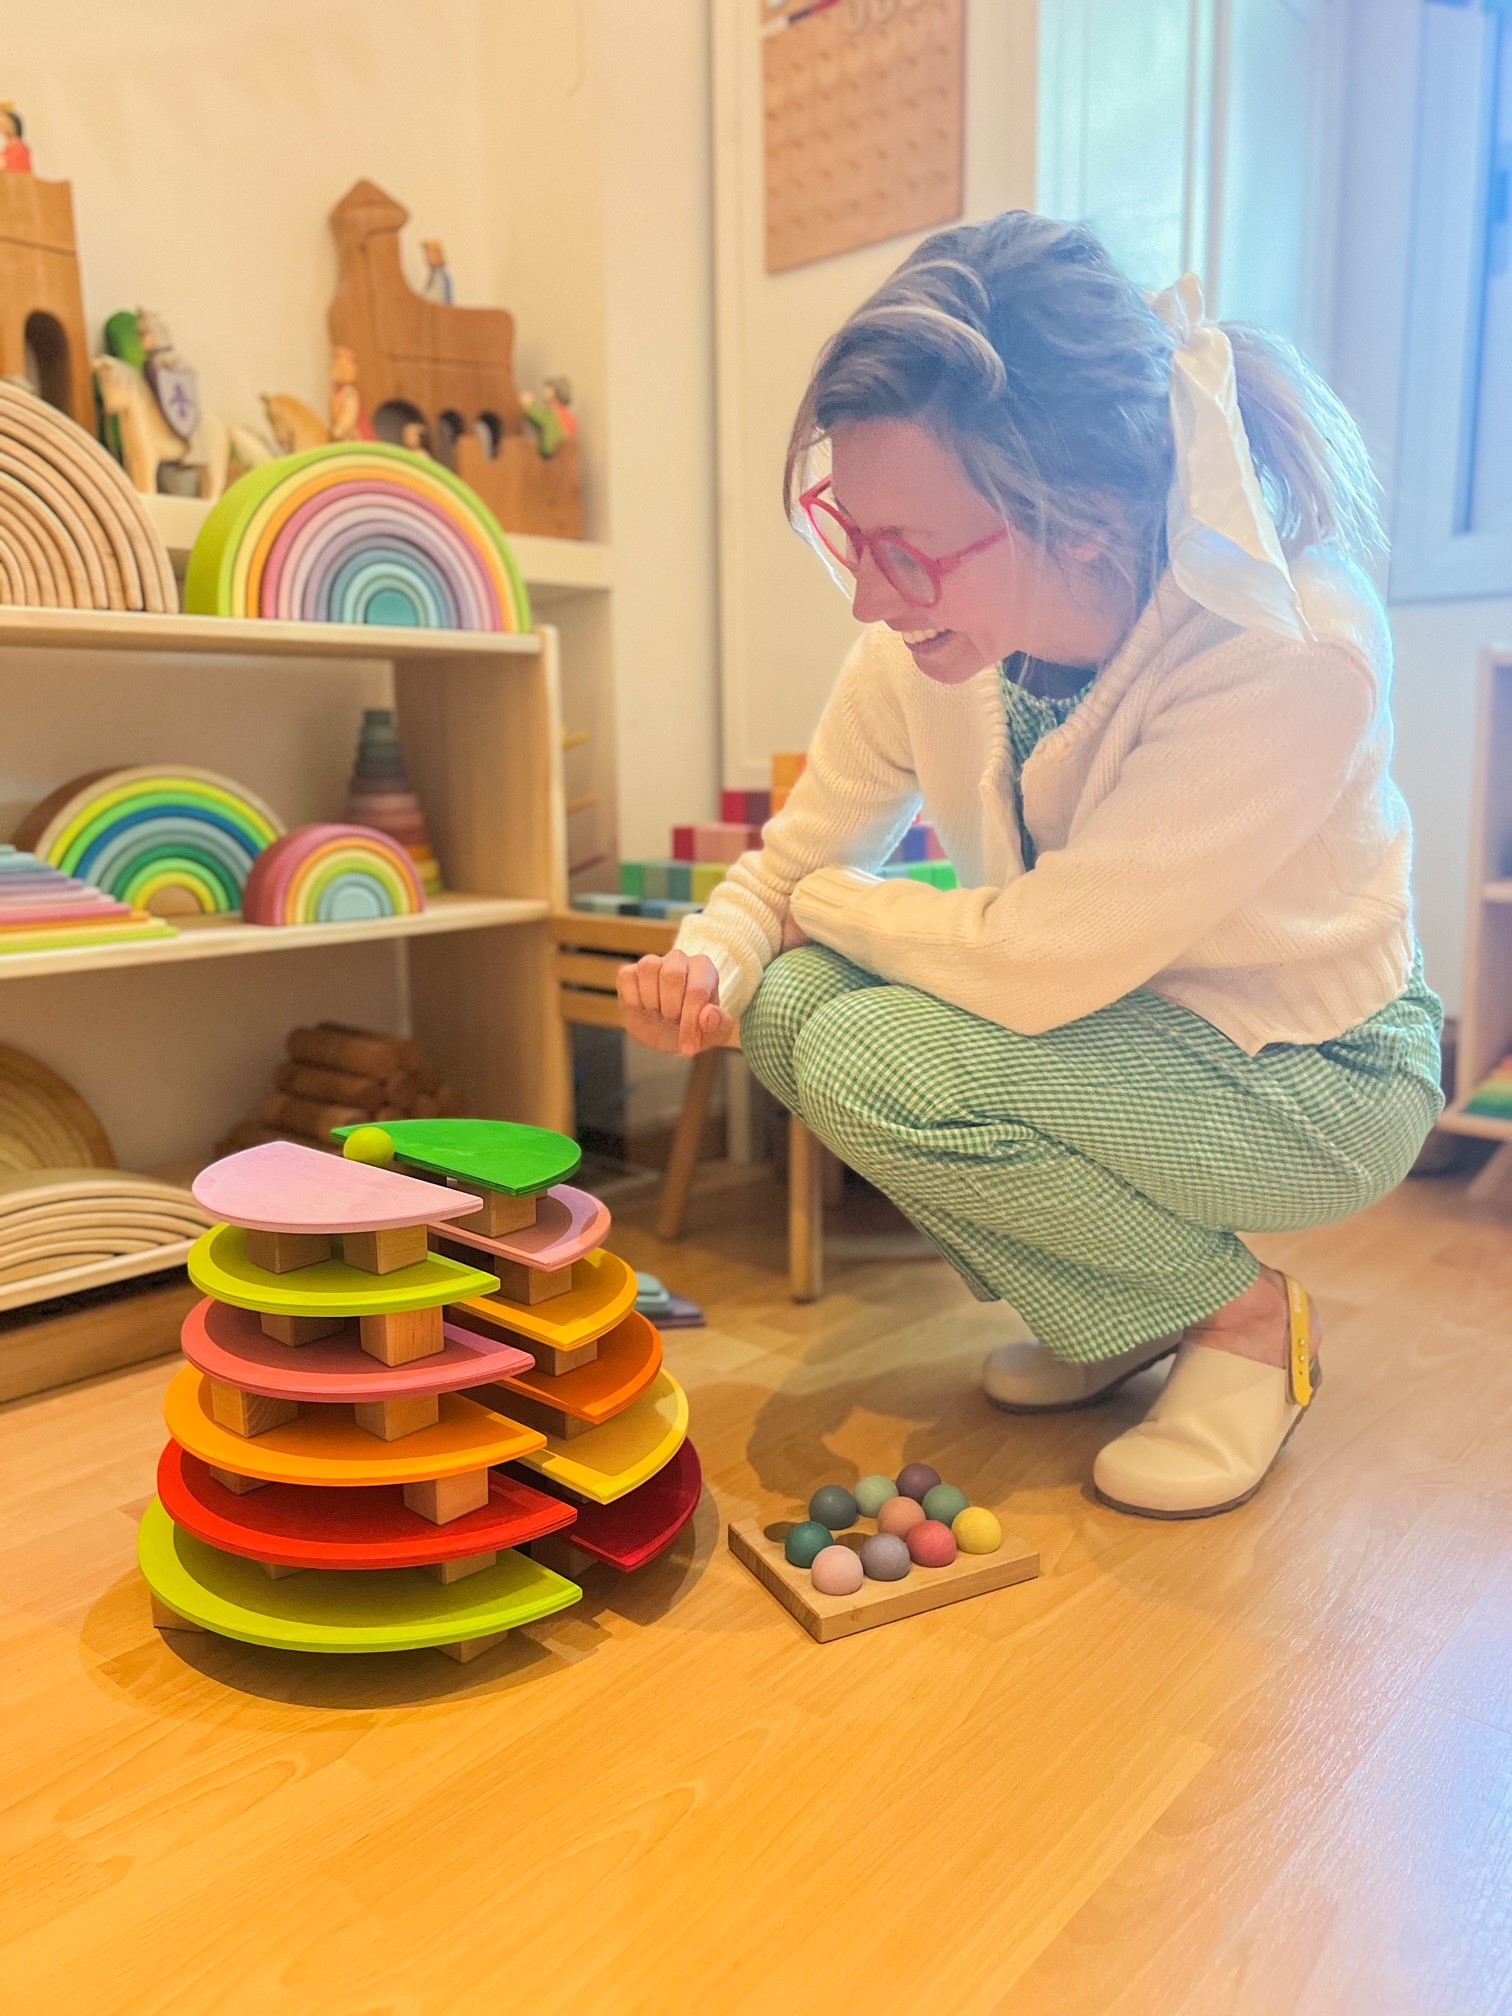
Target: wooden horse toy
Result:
[148, 442]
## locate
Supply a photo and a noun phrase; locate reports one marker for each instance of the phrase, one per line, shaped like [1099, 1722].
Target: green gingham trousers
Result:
[1096, 1177]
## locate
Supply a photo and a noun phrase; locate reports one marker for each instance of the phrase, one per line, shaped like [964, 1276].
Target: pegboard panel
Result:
[863, 104]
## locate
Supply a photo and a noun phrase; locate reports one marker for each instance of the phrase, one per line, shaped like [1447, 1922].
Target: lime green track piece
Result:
[218, 1266]
[326, 1610]
[491, 1154]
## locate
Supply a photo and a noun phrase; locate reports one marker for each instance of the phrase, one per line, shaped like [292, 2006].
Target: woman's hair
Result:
[1047, 372]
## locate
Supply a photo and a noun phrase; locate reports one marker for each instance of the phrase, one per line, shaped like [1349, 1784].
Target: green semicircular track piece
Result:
[496, 1154]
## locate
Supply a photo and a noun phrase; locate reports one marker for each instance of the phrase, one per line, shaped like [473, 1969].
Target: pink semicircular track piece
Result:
[281, 1187]
[322, 532]
[569, 1224]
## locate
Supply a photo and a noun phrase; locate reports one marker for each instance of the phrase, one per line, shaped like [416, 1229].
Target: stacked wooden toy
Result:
[380, 794]
[42, 909]
[612, 1421]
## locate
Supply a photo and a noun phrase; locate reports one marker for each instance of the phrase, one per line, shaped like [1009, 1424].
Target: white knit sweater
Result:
[1216, 821]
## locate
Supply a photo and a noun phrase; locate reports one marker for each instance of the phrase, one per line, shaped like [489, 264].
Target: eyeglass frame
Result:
[936, 569]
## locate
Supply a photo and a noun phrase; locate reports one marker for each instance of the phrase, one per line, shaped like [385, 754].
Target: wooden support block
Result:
[277, 1570]
[287, 1252]
[442, 1499]
[472, 1648]
[535, 1413]
[557, 1552]
[554, 1361]
[249, 1413]
[386, 1252]
[530, 1285]
[500, 1215]
[240, 1485]
[457, 1571]
[165, 1619]
[296, 1330]
[400, 1338]
[389, 1419]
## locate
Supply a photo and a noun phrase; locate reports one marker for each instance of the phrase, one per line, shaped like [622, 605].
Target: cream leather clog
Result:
[1027, 1379]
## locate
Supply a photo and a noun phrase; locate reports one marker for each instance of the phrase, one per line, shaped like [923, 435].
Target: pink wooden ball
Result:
[932, 1544]
[837, 1571]
[900, 1516]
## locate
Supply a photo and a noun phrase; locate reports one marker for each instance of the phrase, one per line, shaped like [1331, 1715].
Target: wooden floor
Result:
[1258, 1764]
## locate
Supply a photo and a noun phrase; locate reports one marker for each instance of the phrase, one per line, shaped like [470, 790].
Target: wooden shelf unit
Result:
[480, 719]
[1486, 1016]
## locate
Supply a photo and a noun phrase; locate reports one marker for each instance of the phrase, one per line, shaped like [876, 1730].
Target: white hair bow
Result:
[1224, 549]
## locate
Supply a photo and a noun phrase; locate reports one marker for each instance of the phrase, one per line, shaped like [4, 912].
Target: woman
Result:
[1119, 647]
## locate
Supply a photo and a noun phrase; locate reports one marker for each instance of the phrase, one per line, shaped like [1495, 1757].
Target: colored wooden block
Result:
[613, 1460]
[787, 768]
[827, 1617]
[219, 1266]
[629, 1358]
[684, 843]
[248, 1413]
[386, 1252]
[229, 1344]
[498, 1216]
[496, 1154]
[324, 1445]
[296, 1331]
[779, 799]
[364, 1528]
[704, 877]
[603, 1294]
[635, 1529]
[442, 1499]
[391, 1611]
[532, 1285]
[461, 1567]
[568, 1225]
[632, 876]
[401, 1339]
[283, 1187]
[285, 1252]
[389, 1420]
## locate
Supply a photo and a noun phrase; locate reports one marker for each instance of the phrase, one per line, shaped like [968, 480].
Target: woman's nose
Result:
[876, 600]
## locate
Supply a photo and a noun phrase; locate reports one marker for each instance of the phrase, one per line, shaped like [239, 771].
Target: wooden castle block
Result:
[297, 1330]
[386, 1252]
[249, 1413]
[442, 1499]
[461, 1568]
[391, 1419]
[399, 1337]
[287, 1252]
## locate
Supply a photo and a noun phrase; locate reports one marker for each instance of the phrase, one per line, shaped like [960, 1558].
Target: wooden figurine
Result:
[349, 420]
[41, 302]
[438, 279]
[16, 158]
[295, 426]
[151, 402]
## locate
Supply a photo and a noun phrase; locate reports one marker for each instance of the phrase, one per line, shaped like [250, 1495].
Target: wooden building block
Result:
[390, 1419]
[287, 1252]
[500, 1214]
[472, 1648]
[441, 1499]
[248, 1413]
[529, 1285]
[828, 1617]
[296, 1330]
[461, 1568]
[386, 1252]
[402, 1336]
[557, 1552]
[277, 1570]
[536, 1414]
[551, 1359]
[165, 1619]
[240, 1485]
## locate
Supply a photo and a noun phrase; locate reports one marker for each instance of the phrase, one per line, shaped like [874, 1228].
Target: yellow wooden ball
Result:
[369, 1144]
[977, 1531]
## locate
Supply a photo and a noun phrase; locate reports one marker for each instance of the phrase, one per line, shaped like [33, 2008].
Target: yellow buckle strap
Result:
[1299, 1369]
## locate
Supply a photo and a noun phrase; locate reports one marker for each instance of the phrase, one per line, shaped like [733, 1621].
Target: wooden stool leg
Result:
[805, 1213]
[684, 1157]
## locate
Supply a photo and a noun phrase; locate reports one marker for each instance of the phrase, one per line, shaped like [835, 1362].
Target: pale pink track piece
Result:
[569, 1224]
[281, 1187]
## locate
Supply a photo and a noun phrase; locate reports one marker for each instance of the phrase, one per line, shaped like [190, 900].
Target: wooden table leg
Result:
[805, 1213]
[685, 1143]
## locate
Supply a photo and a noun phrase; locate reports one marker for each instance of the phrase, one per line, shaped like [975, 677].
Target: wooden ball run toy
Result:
[351, 1392]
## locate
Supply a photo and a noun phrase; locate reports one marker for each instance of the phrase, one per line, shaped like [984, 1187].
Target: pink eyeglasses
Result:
[916, 576]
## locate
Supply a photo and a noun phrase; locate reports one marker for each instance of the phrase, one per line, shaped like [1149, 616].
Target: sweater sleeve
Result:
[857, 793]
[1242, 761]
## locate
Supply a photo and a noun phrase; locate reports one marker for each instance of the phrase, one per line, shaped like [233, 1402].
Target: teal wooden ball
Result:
[805, 1541]
[872, 1493]
[945, 1502]
[833, 1506]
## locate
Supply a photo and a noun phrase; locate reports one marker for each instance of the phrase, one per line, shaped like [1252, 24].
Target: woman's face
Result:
[896, 476]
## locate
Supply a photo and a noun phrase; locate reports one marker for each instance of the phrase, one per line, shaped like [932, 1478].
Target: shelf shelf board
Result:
[244, 637]
[213, 940]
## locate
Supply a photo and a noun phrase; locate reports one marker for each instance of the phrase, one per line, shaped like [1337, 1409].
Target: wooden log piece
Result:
[369, 1052]
[342, 1088]
[386, 1252]
[457, 1571]
[249, 1413]
[400, 1337]
[391, 1419]
[297, 1330]
[287, 1252]
[307, 1116]
[442, 1499]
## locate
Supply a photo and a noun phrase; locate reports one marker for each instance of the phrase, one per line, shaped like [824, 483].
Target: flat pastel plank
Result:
[629, 1358]
[370, 1527]
[498, 1154]
[609, 1462]
[231, 1345]
[281, 1187]
[602, 1295]
[569, 1225]
[218, 1266]
[325, 1445]
[642, 1524]
[401, 1610]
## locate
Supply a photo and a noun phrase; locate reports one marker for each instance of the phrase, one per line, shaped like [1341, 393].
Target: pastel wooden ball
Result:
[931, 1544]
[872, 1493]
[914, 1479]
[373, 1145]
[898, 1515]
[977, 1530]
[837, 1571]
[944, 1502]
[833, 1506]
[885, 1558]
[805, 1543]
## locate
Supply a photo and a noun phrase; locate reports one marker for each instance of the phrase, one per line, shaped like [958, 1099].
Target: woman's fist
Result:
[672, 1003]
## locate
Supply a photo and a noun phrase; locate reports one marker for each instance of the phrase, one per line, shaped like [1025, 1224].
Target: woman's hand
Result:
[672, 1003]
